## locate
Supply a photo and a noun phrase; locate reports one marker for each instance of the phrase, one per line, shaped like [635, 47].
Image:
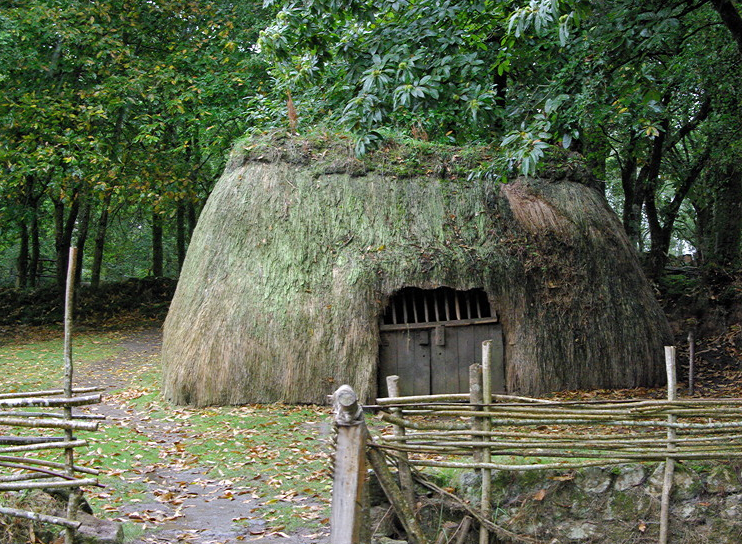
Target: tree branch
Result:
[731, 19]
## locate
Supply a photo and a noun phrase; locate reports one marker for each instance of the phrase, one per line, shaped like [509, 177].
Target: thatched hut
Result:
[304, 259]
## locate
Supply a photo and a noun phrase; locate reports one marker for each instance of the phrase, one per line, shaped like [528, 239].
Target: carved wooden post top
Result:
[345, 404]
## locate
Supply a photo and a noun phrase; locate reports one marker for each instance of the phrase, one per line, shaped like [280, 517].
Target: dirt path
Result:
[183, 503]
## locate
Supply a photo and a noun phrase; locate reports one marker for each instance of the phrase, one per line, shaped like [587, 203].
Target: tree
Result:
[114, 104]
[637, 88]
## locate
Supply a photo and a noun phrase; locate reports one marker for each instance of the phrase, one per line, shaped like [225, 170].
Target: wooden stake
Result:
[475, 398]
[74, 496]
[669, 462]
[486, 506]
[68, 302]
[48, 392]
[463, 530]
[46, 484]
[405, 474]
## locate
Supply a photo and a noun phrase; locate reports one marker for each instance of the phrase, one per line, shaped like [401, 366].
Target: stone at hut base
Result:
[382, 521]
[98, 531]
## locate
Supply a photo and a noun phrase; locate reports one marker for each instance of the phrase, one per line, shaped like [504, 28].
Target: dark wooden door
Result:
[435, 358]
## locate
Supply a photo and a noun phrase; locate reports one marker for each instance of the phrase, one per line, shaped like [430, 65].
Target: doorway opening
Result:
[430, 337]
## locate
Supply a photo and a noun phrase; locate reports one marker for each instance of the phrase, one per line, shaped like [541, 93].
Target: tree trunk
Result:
[59, 250]
[633, 200]
[157, 245]
[33, 267]
[192, 219]
[731, 19]
[21, 280]
[100, 242]
[661, 234]
[727, 212]
[63, 230]
[704, 237]
[181, 234]
[82, 237]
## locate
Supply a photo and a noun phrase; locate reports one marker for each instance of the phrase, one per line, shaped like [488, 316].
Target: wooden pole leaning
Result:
[406, 482]
[671, 435]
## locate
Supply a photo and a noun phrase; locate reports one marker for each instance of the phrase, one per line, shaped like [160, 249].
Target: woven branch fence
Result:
[22, 470]
[483, 431]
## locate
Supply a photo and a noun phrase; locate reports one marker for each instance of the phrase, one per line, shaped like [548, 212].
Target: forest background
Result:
[117, 117]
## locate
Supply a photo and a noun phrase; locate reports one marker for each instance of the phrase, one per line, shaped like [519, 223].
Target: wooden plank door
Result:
[437, 359]
[406, 354]
[456, 348]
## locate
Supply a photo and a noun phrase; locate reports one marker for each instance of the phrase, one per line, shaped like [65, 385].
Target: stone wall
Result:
[615, 505]
[600, 505]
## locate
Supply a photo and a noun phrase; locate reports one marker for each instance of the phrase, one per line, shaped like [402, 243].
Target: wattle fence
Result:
[24, 472]
[17, 410]
[485, 432]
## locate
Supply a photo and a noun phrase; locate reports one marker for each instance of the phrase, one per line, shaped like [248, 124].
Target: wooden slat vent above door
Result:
[415, 306]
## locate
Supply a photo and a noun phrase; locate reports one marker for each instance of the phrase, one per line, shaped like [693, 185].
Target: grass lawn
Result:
[276, 454]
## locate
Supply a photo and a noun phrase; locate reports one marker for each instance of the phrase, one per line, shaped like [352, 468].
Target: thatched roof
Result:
[299, 249]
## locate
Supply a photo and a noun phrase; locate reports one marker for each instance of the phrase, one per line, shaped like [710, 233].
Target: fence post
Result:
[346, 521]
[475, 398]
[486, 505]
[75, 493]
[669, 462]
[405, 474]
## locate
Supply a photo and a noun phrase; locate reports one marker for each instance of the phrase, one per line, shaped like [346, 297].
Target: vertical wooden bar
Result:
[475, 399]
[458, 307]
[486, 505]
[69, 453]
[68, 300]
[346, 518]
[671, 435]
[406, 483]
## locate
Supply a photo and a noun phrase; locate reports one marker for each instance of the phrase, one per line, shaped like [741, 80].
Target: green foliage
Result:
[372, 75]
[677, 285]
[124, 107]
[119, 105]
[651, 86]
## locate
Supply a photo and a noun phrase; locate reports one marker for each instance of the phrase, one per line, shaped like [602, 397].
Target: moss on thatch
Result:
[301, 245]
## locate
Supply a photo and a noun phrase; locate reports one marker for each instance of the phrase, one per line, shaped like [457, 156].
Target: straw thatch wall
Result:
[297, 252]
